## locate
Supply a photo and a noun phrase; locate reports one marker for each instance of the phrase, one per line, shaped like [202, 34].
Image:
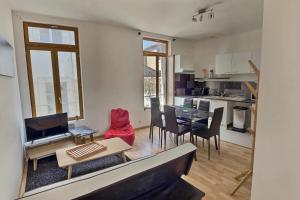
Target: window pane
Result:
[52, 36]
[69, 83]
[149, 79]
[153, 46]
[43, 82]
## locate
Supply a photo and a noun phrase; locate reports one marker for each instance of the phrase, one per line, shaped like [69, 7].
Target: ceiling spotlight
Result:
[202, 12]
[201, 18]
[211, 14]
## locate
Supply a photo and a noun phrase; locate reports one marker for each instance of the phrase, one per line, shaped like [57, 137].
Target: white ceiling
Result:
[167, 17]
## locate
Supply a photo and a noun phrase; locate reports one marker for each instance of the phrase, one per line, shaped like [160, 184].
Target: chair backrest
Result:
[154, 101]
[204, 105]
[216, 121]
[156, 114]
[170, 118]
[119, 118]
[188, 103]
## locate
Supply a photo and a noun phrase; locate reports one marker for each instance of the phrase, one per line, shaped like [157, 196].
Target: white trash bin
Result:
[239, 118]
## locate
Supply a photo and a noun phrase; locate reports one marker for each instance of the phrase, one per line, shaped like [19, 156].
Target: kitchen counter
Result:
[234, 99]
[230, 99]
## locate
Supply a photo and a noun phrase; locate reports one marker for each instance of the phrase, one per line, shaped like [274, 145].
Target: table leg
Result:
[75, 139]
[34, 164]
[69, 172]
[92, 137]
[124, 157]
[82, 140]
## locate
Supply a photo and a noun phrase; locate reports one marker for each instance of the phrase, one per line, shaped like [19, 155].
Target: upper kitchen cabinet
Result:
[223, 63]
[236, 63]
[240, 63]
[184, 63]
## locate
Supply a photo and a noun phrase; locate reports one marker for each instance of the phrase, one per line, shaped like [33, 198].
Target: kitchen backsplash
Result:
[184, 84]
[235, 88]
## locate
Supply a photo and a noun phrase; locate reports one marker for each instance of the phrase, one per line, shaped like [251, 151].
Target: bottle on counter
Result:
[211, 73]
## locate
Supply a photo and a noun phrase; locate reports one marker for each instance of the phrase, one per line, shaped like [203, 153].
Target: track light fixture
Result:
[204, 11]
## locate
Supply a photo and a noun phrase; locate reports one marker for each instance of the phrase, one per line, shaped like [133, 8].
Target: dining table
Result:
[189, 116]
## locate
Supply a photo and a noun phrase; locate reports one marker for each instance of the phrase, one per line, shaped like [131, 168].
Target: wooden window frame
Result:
[157, 55]
[54, 49]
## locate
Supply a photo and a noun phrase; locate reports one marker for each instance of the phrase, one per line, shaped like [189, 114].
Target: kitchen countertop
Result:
[220, 98]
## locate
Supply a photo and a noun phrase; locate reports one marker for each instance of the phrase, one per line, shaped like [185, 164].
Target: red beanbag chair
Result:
[120, 126]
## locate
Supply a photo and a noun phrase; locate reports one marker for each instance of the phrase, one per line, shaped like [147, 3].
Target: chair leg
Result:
[196, 140]
[177, 140]
[202, 142]
[219, 145]
[161, 138]
[208, 143]
[159, 134]
[216, 143]
[165, 135]
[195, 156]
[150, 132]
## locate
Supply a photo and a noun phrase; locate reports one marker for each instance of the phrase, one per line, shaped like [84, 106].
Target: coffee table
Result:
[114, 146]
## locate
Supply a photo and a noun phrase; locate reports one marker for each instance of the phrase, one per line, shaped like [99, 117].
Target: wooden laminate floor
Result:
[214, 177]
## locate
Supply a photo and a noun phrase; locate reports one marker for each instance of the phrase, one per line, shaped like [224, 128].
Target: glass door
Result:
[68, 69]
[154, 79]
[43, 93]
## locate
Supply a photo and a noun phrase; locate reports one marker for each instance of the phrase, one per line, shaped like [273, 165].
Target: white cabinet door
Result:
[240, 63]
[223, 64]
[255, 57]
[178, 101]
[217, 104]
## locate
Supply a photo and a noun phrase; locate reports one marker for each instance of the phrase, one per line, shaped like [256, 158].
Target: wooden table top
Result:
[114, 146]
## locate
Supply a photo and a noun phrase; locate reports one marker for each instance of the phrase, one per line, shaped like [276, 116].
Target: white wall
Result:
[112, 69]
[205, 51]
[277, 160]
[11, 127]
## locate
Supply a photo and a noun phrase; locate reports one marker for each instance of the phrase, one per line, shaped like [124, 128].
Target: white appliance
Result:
[239, 118]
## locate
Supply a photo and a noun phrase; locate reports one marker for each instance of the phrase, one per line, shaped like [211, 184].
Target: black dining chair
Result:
[188, 103]
[201, 130]
[156, 119]
[204, 106]
[172, 125]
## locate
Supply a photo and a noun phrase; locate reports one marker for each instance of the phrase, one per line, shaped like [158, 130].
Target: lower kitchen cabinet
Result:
[227, 114]
[178, 101]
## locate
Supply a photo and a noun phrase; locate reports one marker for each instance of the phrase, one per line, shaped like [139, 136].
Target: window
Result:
[53, 66]
[155, 73]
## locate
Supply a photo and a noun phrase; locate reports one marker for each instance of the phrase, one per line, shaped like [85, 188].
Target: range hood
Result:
[185, 71]
[183, 64]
